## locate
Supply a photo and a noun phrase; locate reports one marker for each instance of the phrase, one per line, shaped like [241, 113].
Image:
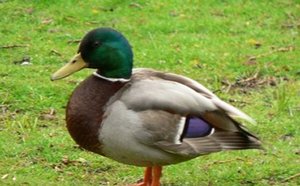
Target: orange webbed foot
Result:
[151, 177]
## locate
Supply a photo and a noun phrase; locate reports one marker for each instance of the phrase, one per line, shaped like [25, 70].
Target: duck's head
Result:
[104, 49]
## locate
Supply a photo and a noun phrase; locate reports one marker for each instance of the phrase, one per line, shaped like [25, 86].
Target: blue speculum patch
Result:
[196, 127]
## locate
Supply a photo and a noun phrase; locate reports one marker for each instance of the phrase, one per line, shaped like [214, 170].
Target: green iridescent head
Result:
[104, 49]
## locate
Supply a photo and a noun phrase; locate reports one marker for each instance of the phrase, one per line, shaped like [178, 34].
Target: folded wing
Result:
[173, 109]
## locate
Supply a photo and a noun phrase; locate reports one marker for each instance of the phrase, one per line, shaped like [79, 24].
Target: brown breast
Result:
[85, 110]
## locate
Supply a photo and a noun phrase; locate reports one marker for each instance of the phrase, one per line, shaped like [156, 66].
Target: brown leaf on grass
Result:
[66, 161]
[54, 30]
[241, 103]
[93, 22]
[274, 50]
[291, 177]
[290, 25]
[247, 81]
[174, 13]
[248, 182]
[13, 46]
[76, 146]
[48, 115]
[287, 137]
[251, 62]
[73, 82]
[218, 13]
[29, 10]
[176, 47]
[58, 168]
[53, 51]
[76, 41]
[71, 19]
[222, 162]
[135, 5]
[252, 81]
[3, 109]
[47, 21]
[24, 61]
[255, 81]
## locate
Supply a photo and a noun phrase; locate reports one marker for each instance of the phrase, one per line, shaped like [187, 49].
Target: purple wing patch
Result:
[196, 127]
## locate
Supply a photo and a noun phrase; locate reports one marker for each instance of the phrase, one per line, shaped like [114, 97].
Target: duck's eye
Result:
[97, 44]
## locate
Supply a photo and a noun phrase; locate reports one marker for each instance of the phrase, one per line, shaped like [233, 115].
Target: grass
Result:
[245, 51]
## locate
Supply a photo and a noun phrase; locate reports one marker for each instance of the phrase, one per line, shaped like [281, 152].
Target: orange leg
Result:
[151, 177]
[147, 178]
[156, 174]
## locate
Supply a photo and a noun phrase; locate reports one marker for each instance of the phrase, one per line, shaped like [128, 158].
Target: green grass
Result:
[210, 41]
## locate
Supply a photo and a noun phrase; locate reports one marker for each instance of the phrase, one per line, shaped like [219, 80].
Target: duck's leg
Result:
[156, 174]
[147, 177]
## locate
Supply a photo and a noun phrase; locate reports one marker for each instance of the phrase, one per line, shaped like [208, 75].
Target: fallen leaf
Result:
[173, 13]
[290, 26]
[54, 30]
[75, 41]
[95, 11]
[29, 10]
[57, 168]
[4, 176]
[254, 43]
[81, 160]
[287, 137]
[65, 160]
[47, 21]
[273, 50]
[135, 5]
[252, 81]
[251, 62]
[24, 61]
[53, 51]
[48, 115]
[13, 46]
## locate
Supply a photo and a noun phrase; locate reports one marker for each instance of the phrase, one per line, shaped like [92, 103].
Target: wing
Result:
[175, 110]
[197, 88]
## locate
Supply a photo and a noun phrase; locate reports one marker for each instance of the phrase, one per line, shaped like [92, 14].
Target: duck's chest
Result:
[85, 111]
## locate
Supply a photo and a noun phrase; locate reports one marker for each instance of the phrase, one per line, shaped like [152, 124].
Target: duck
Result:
[145, 117]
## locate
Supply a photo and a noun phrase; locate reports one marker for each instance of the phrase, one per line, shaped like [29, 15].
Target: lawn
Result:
[247, 52]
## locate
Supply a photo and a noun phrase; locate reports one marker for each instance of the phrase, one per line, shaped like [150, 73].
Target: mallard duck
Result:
[145, 117]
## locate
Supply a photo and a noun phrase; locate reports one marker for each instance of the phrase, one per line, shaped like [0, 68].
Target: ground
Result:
[247, 52]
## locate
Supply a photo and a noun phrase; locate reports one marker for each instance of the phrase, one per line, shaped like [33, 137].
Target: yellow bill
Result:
[74, 65]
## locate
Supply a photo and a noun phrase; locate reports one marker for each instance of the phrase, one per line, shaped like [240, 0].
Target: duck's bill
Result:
[74, 65]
